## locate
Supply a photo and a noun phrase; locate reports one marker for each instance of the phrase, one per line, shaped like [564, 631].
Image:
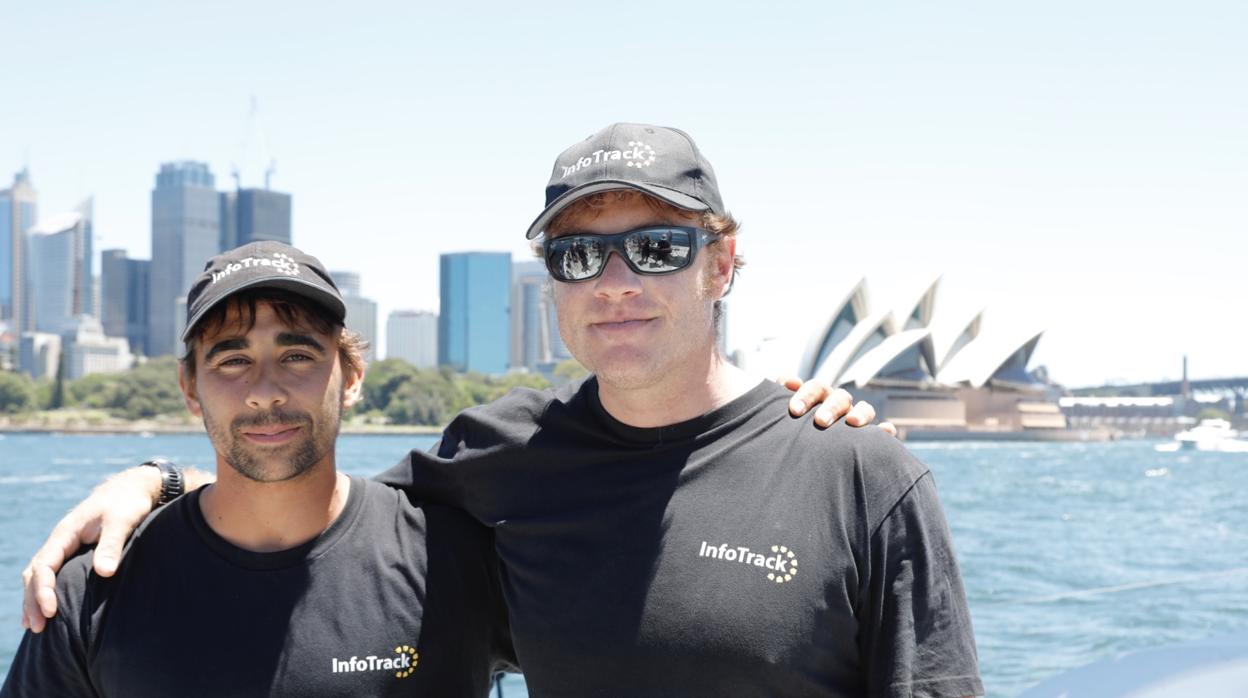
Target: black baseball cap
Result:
[660, 161]
[265, 264]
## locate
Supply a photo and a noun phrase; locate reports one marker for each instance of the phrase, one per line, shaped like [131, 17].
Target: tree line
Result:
[395, 392]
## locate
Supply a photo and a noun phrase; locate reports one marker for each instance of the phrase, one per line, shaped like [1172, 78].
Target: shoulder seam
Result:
[900, 498]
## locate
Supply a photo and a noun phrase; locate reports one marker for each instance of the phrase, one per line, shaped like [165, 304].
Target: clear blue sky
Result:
[1082, 166]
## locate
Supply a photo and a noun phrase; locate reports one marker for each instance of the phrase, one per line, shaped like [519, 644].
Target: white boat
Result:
[1209, 435]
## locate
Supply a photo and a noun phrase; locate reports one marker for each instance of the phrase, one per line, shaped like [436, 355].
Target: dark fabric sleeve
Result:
[917, 638]
[54, 662]
[424, 477]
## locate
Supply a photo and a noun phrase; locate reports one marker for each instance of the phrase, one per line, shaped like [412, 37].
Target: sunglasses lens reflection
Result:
[656, 252]
[576, 258]
[648, 251]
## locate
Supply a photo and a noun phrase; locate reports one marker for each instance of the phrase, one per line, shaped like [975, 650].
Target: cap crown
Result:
[657, 160]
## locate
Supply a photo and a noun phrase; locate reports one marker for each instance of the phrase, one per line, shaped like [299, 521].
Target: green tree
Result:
[140, 393]
[381, 381]
[58, 388]
[17, 393]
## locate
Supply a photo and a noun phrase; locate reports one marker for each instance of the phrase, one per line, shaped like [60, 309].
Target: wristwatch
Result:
[172, 484]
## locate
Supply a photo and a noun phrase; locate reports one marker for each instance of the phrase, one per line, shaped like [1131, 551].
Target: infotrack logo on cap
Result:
[637, 154]
[659, 161]
[280, 262]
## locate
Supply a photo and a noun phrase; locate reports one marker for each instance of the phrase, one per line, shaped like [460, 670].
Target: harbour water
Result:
[1070, 552]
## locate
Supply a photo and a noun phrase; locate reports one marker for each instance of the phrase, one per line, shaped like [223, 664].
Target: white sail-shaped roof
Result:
[904, 358]
[841, 320]
[947, 345]
[1000, 356]
[869, 333]
[917, 312]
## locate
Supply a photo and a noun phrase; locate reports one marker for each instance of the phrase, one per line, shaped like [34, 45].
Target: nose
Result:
[266, 391]
[617, 280]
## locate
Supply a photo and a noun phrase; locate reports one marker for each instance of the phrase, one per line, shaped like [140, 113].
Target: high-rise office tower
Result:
[412, 335]
[18, 210]
[535, 341]
[124, 297]
[474, 324]
[361, 311]
[186, 231]
[250, 215]
[60, 280]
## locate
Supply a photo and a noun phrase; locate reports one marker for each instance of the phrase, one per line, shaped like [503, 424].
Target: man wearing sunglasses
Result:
[663, 529]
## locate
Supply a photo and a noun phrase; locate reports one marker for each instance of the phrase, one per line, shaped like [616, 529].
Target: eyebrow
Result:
[284, 339]
[294, 339]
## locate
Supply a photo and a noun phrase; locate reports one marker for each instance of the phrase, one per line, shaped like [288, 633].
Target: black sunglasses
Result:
[656, 249]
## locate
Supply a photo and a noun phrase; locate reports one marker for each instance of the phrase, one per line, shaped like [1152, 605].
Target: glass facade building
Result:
[535, 340]
[251, 215]
[18, 210]
[124, 298]
[186, 231]
[474, 326]
[52, 276]
[361, 312]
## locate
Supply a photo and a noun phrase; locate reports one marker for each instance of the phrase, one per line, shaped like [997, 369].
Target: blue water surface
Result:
[1070, 552]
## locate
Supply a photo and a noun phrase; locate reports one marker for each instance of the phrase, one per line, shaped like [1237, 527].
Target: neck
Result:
[710, 383]
[272, 516]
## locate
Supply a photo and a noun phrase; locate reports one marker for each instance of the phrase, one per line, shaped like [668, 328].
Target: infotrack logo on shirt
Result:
[780, 566]
[402, 665]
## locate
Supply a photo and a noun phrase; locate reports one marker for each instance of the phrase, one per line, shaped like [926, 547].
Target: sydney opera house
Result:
[958, 379]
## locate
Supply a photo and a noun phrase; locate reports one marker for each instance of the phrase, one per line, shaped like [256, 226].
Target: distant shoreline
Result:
[175, 429]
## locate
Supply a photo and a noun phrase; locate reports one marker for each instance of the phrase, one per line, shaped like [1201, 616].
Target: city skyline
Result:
[1085, 175]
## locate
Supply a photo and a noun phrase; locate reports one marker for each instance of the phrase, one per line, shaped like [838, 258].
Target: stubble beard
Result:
[295, 459]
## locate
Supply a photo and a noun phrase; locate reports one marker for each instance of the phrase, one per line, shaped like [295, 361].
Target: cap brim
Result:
[569, 197]
[312, 292]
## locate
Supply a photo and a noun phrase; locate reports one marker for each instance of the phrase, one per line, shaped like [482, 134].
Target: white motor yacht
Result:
[1209, 435]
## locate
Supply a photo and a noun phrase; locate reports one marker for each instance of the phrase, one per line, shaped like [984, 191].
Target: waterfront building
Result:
[967, 377]
[361, 311]
[474, 325]
[18, 212]
[39, 354]
[88, 350]
[186, 232]
[252, 215]
[60, 280]
[535, 341]
[124, 297]
[412, 335]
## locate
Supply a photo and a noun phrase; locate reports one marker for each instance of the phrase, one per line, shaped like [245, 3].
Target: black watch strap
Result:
[172, 483]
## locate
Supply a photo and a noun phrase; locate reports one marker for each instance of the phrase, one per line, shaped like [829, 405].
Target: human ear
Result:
[352, 389]
[187, 383]
[724, 264]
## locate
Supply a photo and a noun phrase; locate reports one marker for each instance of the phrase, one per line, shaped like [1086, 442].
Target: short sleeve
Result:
[917, 638]
[54, 662]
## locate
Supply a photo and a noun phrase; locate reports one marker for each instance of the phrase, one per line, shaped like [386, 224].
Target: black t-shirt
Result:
[390, 600]
[741, 553]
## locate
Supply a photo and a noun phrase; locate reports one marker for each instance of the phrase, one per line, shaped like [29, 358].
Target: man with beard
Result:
[284, 577]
